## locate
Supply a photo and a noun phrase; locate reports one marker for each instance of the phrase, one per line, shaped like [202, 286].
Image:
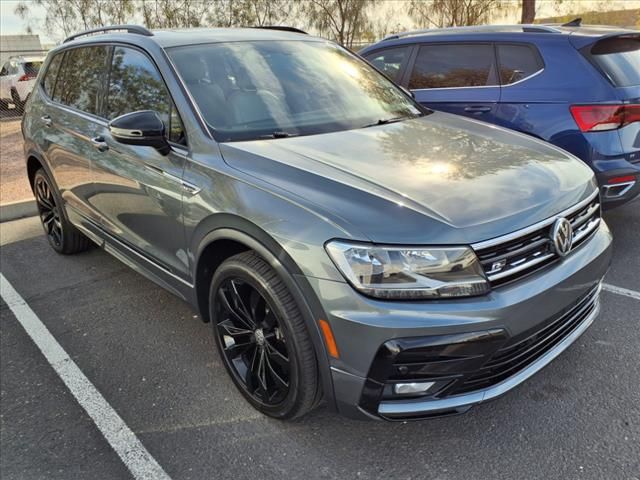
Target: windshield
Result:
[619, 57]
[273, 89]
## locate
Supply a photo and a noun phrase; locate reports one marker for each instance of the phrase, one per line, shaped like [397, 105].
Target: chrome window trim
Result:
[535, 74]
[537, 226]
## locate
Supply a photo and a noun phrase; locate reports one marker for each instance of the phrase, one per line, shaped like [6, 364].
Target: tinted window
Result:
[81, 78]
[517, 62]
[619, 57]
[32, 68]
[5, 70]
[389, 61]
[442, 66]
[253, 90]
[49, 81]
[135, 84]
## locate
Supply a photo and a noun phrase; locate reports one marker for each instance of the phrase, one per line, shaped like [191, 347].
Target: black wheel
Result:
[262, 338]
[63, 237]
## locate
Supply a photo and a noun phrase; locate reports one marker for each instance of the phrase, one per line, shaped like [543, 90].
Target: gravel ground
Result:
[14, 185]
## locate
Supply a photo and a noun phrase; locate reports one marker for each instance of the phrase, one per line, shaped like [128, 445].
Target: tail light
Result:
[26, 77]
[595, 118]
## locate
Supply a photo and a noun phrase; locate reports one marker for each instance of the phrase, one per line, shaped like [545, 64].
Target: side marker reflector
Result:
[329, 341]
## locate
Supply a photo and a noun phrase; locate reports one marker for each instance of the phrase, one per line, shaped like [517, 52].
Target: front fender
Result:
[230, 227]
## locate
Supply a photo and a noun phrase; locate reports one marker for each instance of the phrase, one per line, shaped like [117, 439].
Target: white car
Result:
[17, 79]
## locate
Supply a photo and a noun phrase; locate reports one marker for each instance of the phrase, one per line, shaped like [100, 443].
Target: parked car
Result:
[17, 79]
[577, 87]
[344, 242]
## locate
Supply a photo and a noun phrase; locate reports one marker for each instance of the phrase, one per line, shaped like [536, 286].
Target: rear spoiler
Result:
[581, 40]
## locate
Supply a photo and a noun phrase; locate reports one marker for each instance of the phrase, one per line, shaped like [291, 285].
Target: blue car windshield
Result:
[273, 89]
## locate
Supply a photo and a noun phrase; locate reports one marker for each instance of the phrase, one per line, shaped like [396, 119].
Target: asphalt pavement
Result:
[155, 364]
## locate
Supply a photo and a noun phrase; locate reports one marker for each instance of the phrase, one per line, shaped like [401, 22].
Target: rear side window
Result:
[517, 62]
[82, 78]
[49, 81]
[619, 58]
[450, 66]
[135, 84]
[389, 61]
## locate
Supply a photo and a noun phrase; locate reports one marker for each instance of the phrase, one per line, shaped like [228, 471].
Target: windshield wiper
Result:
[385, 121]
[279, 134]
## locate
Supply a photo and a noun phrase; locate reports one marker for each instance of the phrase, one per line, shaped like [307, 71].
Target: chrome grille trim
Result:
[512, 256]
[537, 226]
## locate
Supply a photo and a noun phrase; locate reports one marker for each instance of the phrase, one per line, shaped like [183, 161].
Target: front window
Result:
[272, 89]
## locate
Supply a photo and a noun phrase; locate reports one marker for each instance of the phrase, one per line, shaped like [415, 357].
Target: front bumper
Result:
[363, 326]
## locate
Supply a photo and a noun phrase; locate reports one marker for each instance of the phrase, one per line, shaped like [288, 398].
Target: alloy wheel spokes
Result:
[228, 297]
[252, 341]
[49, 214]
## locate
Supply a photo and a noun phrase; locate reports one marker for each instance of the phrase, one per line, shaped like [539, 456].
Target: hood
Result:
[435, 179]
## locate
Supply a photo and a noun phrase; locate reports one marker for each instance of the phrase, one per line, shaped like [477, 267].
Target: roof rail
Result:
[137, 29]
[284, 28]
[476, 28]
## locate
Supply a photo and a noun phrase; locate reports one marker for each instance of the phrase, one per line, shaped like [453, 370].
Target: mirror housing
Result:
[143, 128]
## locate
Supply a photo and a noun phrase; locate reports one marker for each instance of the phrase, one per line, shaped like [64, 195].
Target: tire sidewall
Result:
[235, 269]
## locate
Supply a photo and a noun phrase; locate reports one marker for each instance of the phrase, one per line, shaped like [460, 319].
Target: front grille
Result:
[518, 254]
[525, 349]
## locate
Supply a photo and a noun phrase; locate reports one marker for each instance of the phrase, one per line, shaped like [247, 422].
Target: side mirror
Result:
[144, 128]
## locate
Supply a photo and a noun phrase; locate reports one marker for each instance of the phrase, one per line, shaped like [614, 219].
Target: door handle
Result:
[477, 109]
[46, 119]
[99, 144]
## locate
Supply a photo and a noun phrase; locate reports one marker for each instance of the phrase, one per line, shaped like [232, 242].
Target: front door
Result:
[137, 191]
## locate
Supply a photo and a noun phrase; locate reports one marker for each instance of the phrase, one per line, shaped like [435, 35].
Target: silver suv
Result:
[345, 243]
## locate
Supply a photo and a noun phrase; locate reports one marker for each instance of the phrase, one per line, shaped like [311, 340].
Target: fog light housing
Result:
[412, 388]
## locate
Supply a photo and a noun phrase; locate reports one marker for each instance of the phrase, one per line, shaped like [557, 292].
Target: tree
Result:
[255, 13]
[69, 16]
[528, 11]
[453, 13]
[343, 20]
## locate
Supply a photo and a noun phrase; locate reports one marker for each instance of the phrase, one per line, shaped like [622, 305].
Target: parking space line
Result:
[621, 291]
[125, 443]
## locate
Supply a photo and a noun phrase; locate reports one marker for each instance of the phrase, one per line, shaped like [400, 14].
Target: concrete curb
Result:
[15, 210]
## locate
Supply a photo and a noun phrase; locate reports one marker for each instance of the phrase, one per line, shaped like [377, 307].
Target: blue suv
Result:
[576, 87]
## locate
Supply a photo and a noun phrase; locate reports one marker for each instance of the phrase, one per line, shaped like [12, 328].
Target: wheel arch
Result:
[227, 235]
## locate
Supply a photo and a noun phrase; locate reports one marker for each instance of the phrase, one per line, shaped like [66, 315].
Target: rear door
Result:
[137, 190]
[71, 121]
[459, 78]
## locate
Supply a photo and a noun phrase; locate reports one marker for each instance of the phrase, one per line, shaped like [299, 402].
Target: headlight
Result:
[409, 273]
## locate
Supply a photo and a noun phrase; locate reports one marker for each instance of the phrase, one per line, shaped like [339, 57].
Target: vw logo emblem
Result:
[562, 236]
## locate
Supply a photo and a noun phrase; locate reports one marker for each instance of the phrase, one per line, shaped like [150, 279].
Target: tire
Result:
[63, 237]
[256, 323]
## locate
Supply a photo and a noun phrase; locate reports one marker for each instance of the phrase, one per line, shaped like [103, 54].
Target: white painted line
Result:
[136, 458]
[621, 291]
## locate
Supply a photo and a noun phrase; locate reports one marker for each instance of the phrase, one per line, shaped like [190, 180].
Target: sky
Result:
[11, 24]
